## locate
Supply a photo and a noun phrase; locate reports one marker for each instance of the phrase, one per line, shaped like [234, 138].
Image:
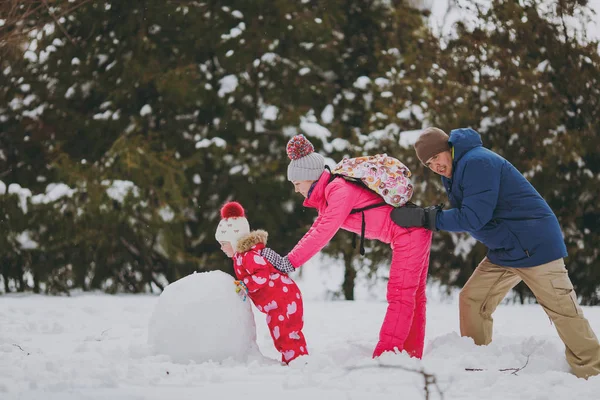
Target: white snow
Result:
[269, 58]
[54, 191]
[29, 99]
[219, 142]
[382, 82]
[25, 241]
[154, 29]
[304, 71]
[23, 193]
[338, 144]
[463, 244]
[235, 32]
[107, 114]
[70, 92]
[94, 346]
[119, 189]
[102, 58]
[228, 85]
[166, 213]
[362, 82]
[270, 113]
[445, 14]
[313, 129]
[35, 113]
[145, 110]
[327, 114]
[30, 56]
[201, 318]
[409, 138]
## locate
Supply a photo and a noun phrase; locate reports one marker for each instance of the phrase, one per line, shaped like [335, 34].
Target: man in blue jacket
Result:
[492, 201]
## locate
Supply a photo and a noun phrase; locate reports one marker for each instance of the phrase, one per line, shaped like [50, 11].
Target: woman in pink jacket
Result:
[404, 323]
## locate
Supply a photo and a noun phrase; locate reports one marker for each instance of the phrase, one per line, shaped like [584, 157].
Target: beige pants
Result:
[553, 290]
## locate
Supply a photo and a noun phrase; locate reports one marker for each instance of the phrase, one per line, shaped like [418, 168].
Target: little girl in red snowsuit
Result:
[272, 292]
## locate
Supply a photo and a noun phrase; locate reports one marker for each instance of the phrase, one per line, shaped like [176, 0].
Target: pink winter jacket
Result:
[334, 201]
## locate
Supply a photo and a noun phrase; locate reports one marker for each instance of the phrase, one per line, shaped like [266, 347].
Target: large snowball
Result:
[201, 318]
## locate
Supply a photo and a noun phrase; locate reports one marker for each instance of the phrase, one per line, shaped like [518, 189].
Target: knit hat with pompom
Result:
[233, 224]
[306, 165]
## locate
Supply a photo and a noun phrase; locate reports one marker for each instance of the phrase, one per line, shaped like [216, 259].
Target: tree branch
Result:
[60, 26]
[514, 370]
[20, 348]
[429, 379]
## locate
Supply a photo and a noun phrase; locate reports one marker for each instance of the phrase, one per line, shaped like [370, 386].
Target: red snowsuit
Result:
[404, 324]
[273, 293]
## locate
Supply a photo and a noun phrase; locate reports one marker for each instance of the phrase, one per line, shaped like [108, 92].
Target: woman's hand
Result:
[282, 264]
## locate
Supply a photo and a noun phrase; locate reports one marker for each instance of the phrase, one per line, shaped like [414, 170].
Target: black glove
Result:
[410, 216]
[282, 264]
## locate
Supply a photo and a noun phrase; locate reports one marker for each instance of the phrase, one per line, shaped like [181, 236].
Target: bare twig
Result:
[102, 335]
[514, 370]
[20, 17]
[5, 173]
[429, 379]
[60, 26]
[20, 348]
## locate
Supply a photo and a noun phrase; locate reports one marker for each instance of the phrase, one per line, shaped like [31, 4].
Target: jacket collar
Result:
[317, 196]
[462, 141]
[245, 243]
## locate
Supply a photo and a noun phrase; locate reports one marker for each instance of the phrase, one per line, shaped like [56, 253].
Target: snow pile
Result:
[119, 189]
[54, 192]
[314, 130]
[93, 346]
[201, 318]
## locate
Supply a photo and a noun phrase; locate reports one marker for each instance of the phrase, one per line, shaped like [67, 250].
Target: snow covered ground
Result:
[93, 346]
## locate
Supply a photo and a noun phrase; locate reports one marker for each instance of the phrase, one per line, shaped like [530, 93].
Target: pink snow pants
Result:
[285, 318]
[404, 323]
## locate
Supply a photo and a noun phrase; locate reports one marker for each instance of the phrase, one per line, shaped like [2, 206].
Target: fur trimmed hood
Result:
[248, 240]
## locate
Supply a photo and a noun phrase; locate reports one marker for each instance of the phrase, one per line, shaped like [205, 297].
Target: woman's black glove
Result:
[282, 264]
[411, 216]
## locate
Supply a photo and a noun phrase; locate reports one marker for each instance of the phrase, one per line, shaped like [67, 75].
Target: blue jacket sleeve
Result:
[480, 187]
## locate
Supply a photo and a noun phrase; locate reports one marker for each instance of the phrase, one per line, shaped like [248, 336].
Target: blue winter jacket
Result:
[494, 202]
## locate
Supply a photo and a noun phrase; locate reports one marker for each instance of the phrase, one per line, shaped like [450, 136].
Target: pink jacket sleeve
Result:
[329, 221]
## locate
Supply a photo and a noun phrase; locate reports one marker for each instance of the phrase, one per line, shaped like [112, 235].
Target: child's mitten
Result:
[241, 289]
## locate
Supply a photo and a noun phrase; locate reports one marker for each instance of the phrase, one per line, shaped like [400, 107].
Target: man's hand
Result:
[282, 264]
[411, 216]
